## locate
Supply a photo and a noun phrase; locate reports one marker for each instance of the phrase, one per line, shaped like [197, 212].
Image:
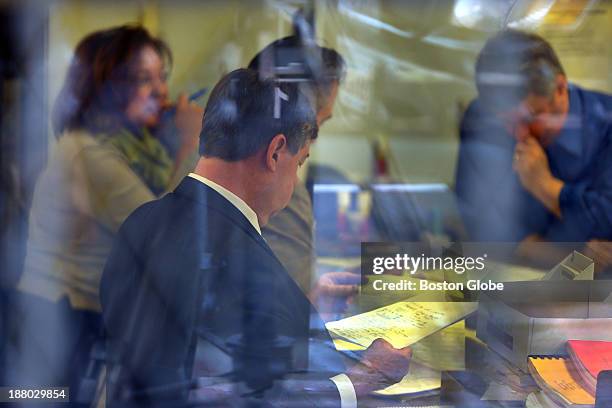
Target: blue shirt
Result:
[495, 206]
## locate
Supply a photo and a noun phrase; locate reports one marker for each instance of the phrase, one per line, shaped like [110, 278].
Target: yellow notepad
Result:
[557, 377]
[401, 324]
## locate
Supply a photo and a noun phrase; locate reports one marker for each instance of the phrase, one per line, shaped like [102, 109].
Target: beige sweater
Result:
[80, 200]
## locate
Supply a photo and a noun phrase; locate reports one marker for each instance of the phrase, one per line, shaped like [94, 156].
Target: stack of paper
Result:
[539, 399]
[403, 324]
[590, 358]
[557, 377]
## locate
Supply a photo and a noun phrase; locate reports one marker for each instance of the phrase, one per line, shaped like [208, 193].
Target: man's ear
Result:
[561, 95]
[561, 84]
[276, 145]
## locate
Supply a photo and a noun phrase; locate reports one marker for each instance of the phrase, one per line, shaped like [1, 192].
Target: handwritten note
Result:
[401, 324]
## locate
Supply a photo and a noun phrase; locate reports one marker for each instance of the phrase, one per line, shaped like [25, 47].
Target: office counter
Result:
[472, 373]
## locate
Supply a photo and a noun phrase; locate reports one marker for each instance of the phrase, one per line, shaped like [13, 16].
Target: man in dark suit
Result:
[194, 263]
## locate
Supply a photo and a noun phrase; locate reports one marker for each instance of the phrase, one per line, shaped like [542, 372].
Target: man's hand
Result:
[600, 252]
[531, 165]
[381, 366]
[333, 291]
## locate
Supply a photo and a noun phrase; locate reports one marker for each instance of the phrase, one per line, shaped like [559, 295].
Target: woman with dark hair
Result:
[106, 162]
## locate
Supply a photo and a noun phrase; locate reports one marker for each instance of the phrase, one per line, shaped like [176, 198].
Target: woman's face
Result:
[150, 93]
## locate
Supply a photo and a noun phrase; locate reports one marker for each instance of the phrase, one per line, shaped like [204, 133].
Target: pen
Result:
[193, 97]
[198, 94]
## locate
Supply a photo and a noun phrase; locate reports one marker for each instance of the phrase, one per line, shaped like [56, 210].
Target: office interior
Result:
[410, 70]
[383, 167]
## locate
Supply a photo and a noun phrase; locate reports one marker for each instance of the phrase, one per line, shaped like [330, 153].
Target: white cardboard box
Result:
[537, 318]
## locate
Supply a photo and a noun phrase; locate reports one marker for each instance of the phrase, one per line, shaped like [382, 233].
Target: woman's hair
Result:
[101, 78]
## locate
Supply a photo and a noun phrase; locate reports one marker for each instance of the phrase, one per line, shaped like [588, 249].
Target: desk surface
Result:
[480, 377]
[472, 374]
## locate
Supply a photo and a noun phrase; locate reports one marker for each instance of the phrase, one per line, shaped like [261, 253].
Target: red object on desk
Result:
[590, 358]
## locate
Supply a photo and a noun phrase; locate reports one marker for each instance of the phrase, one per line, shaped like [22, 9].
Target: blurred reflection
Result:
[480, 13]
[106, 162]
[536, 153]
[290, 233]
[533, 176]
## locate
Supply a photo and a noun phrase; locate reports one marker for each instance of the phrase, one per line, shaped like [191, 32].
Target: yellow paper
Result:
[444, 350]
[343, 345]
[558, 374]
[402, 323]
[418, 379]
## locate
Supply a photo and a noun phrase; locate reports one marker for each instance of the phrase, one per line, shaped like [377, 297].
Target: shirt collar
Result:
[232, 198]
[570, 137]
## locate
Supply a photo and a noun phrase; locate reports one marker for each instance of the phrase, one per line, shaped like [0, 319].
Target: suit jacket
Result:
[191, 261]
